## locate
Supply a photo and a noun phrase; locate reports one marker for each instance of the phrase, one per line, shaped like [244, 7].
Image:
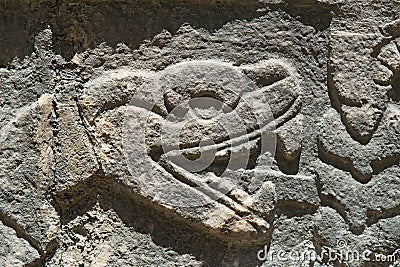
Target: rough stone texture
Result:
[99, 141]
[15, 251]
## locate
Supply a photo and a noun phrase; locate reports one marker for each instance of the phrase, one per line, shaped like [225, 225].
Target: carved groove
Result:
[375, 216]
[342, 163]
[329, 200]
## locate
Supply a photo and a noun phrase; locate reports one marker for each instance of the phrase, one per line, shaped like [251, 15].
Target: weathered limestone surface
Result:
[200, 133]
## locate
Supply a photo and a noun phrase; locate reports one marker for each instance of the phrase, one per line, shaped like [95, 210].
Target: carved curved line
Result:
[341, 163]
[191, 180]
[290, 113]
[256, 134]
[375, 216]
[329, 200]
[382, 164]
[346, 164]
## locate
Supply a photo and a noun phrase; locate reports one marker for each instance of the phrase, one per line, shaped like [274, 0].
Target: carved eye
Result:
[176, 97]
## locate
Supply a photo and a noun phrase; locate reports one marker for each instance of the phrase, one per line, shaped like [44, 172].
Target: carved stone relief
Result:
[209, 142]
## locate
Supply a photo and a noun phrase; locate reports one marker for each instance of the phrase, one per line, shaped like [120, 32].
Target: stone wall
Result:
[200, 133]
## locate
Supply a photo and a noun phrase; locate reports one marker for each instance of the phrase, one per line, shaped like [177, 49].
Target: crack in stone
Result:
[91, 139]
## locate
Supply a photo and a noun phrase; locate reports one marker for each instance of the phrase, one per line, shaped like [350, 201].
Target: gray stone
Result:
[220, 133]
[14, 250]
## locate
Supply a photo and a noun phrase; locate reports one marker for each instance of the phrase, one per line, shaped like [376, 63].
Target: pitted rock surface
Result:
[200, 133]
